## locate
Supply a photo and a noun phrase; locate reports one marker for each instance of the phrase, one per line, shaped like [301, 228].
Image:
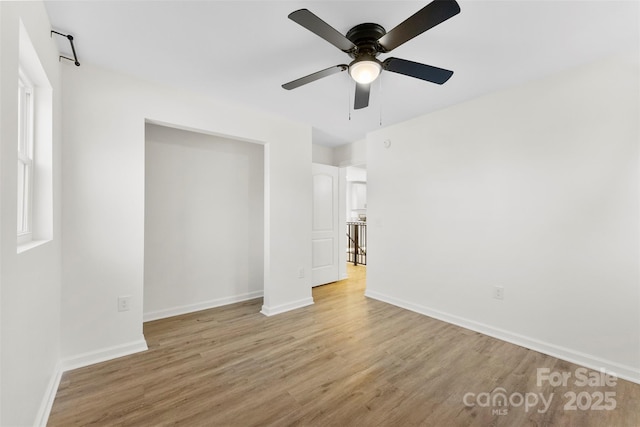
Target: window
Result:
[25, 158]
[34, 111]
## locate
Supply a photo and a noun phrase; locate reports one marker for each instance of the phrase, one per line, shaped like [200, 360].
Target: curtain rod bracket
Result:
[73, 49]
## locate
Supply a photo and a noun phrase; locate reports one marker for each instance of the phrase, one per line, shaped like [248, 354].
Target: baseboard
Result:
[205, 305]
[272, 311]
[49, 396]
[104, 354]
[589, 361]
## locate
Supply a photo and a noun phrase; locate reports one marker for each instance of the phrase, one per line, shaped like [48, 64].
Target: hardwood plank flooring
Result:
[345, 361]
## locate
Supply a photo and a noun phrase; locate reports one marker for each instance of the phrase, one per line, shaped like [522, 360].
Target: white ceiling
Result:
[242, 51]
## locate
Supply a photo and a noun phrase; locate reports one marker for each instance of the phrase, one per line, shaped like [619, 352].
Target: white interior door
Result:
[325, 234]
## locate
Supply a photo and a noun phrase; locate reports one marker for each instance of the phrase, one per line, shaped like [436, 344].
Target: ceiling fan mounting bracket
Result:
[365, 37]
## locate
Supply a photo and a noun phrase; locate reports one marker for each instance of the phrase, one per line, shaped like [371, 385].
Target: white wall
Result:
[103, 177]
[534, 189]
[322, 155]
[354, 154]
[30, 281]
[204, 220]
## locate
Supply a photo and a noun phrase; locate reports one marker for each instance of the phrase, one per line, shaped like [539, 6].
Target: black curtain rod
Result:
[73, 49]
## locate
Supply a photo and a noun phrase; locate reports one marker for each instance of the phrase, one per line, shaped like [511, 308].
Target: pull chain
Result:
[349, 99]
[380, 97]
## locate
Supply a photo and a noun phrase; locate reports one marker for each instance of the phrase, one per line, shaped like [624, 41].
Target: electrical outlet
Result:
[124, 303]
[301, 272]
[498, 292]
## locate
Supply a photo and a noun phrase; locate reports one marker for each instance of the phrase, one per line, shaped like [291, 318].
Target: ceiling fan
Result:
[364, 42]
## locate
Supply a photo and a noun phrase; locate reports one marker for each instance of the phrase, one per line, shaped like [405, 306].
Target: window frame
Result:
[26, 123]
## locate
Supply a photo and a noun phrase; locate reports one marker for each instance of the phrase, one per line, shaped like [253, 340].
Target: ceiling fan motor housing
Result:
[365, 37]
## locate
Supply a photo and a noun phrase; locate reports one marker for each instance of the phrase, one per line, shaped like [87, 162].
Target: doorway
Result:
[356, 214]
[204, 221]
[339, 228]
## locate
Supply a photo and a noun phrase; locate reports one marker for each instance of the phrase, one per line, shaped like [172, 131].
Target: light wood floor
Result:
[345, 361]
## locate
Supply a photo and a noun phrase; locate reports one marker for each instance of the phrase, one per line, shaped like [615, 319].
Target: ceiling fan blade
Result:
[419, 71]
[362, 96]
[317, 26]
[315, 76]
[429, 16]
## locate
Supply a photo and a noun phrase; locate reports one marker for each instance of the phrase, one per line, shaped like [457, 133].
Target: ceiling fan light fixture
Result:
[364, 42]
[365, 70]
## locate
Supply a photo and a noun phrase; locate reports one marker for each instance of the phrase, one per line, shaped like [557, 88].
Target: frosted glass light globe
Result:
[365, 71]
